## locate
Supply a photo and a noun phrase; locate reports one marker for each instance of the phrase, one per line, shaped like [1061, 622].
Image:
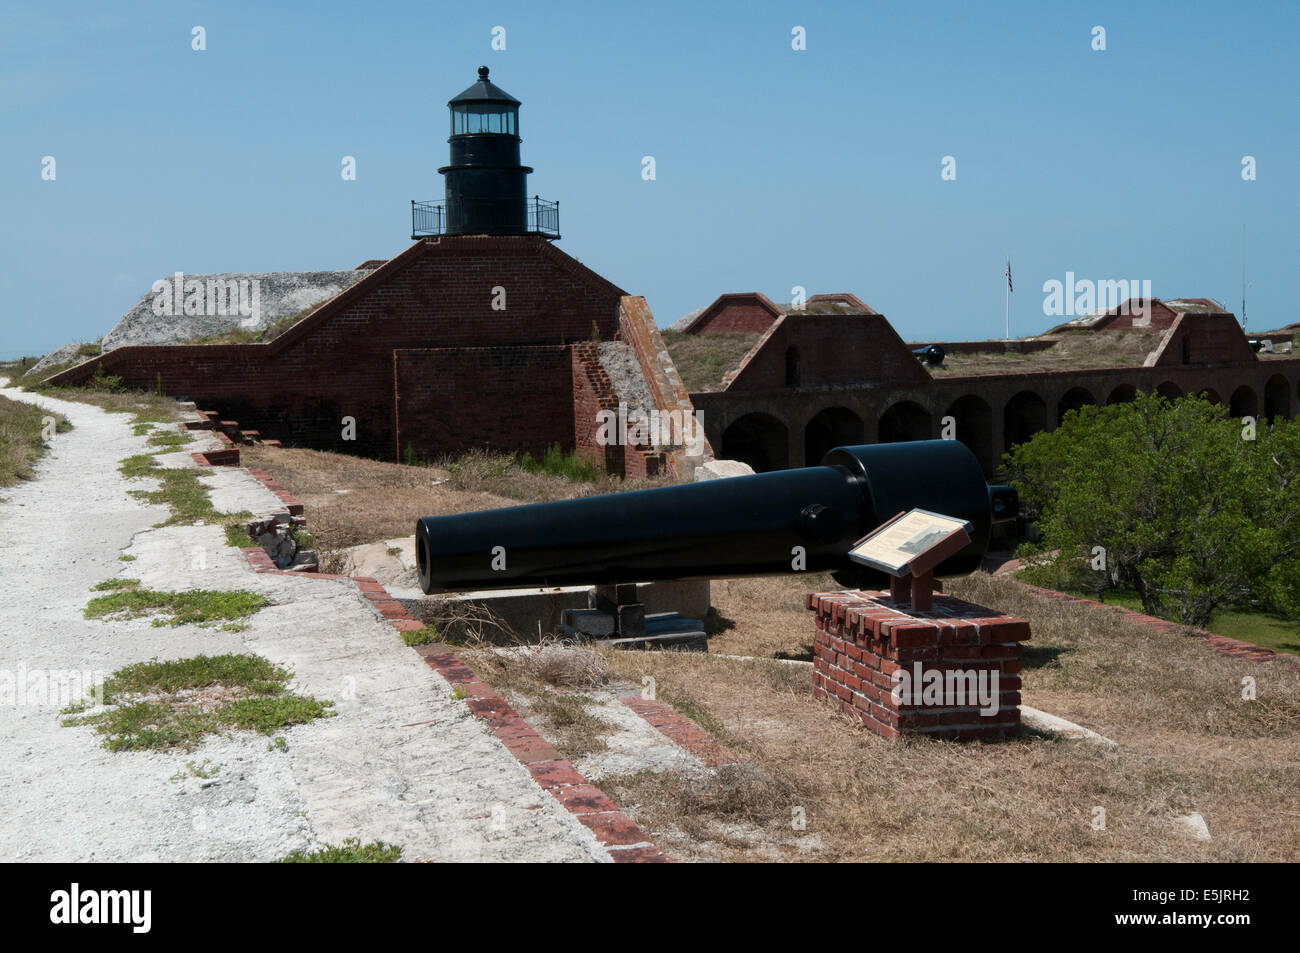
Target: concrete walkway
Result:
[402, 762]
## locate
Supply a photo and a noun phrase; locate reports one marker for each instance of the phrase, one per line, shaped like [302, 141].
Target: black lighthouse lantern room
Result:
[486, 187]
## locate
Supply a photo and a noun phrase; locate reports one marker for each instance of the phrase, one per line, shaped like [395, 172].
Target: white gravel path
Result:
[402, 762]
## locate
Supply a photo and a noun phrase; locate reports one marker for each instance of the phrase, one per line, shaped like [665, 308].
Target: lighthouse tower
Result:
[486, 187]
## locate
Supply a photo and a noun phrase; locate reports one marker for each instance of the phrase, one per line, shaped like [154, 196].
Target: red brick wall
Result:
[339, 361]
[637, 327]
[862, 639]
[750, 313]
[1210, 339]
[833, 349]
[1160, 318]
[450, 400]
[592, 393]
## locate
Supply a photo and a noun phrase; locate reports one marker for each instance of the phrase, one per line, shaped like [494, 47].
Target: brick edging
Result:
[625, 841]
[1223, 644]
[681, 731]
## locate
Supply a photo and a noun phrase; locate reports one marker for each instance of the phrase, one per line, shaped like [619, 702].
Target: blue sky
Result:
[775, 167]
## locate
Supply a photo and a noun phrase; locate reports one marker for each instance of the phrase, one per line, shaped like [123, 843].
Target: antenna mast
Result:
[1243, 276]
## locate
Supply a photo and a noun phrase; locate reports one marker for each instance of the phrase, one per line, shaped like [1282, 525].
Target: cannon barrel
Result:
[735, 526]
[932, 354]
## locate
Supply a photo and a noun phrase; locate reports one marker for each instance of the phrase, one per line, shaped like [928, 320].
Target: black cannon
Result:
[736, 526]
[932, 354]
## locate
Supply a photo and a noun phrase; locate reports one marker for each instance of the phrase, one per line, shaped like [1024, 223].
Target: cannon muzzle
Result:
[932, 354]
[773, 523]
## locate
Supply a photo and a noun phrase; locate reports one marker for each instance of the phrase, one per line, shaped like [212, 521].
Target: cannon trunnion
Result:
[767, 524]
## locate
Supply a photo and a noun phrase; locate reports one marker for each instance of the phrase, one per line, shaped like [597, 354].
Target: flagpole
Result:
[1008, 277]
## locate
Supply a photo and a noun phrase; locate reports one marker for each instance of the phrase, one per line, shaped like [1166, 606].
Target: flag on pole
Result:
[1009, 288]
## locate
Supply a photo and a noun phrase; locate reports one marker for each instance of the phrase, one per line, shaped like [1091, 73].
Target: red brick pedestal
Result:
[958, 661]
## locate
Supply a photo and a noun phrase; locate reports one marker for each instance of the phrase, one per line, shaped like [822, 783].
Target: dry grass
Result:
[545, 682]
[703, 359]
[22, 438]
[564, 666]
[1077, 351]
[466, 623]
[1187, 741]
[383, 500]
[144, 406]
[765, 616]
[550, 664]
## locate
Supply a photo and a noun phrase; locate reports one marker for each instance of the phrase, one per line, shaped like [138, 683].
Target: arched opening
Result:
[828, 429]
[1169, 391]
[1123, 394]
[906, 420]
[1277, 398]
[792, 367]
[1024, 416]
[1210, 394]
[1244, 402]
[1073, 399]
[972, 424]
[757, 439]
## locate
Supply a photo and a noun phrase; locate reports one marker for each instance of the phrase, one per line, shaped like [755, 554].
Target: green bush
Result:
[558, 463]
[1191, 509]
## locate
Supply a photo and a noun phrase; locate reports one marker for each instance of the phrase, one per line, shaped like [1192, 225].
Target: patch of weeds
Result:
[579, 732]
[108, 585]
[141, 429]
[458, 694]
[421, 636]
[138, 465]
[168, 440]
[140, 678]
[108, 383]
[236, 530]
[182, 493]
[556, 462]
[302, 539]
[266, 714]
[351, 851]
[24, 429]
[193, 607]
[197, 771]
[278, 743]
[165, 705]
[394, 550]
[563, 710]
[687, 704]
[180, 490]
[155, 409]
[127, 559]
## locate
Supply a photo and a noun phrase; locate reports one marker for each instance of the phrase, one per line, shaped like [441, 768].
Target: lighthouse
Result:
[486, 186]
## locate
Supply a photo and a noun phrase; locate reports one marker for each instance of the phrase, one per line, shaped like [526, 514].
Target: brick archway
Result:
[1025, 414]
[1277, 397]
[905, 420]
[758, 439]
[1073, 399]
[972, 420]
[1169, 390]
[1244, 402]
[829, 428]
[1122, 394]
